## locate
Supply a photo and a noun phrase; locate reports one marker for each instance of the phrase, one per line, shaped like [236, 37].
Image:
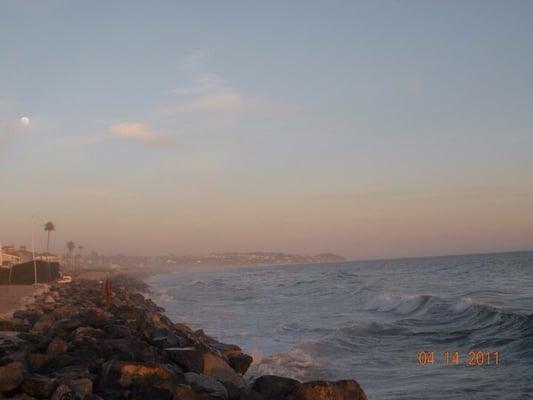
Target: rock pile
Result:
[69, 345]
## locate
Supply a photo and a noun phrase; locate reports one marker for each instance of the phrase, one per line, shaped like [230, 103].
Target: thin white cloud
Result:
[210, 95]
[136, 131]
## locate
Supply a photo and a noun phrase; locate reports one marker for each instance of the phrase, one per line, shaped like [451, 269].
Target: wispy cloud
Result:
[135, 131]
[209, 93]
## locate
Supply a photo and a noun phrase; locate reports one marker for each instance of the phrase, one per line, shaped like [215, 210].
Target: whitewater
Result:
[424, 328]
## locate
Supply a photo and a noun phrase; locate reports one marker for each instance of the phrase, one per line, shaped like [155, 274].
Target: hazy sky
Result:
[369, 129]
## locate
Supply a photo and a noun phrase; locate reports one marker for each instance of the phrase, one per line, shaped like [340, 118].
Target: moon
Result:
[24, 121]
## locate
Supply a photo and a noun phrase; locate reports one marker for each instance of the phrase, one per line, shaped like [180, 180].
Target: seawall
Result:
[72, 343]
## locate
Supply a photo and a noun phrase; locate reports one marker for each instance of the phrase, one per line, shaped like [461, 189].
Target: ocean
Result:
[454, 327]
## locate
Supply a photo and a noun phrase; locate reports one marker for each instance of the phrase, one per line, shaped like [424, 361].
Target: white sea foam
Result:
[297, 363]
[386, 302]
[462, 304]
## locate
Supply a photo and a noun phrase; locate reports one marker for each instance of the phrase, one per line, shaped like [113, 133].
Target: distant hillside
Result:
[254, 258]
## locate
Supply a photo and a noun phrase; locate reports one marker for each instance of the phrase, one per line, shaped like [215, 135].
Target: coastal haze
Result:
[365, 129]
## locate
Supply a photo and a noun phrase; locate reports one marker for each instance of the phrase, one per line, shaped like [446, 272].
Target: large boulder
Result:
[127, 374]
[274, 387]
[322, 390]
[219, 369]
[191, 359]
[240, 362]
[206, 384]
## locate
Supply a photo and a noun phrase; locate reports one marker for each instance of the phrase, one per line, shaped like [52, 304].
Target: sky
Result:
[371, 129]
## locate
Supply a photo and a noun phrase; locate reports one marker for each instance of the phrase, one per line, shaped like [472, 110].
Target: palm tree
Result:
[49, 227]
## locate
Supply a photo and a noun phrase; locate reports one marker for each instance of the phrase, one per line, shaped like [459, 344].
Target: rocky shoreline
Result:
[69, 344]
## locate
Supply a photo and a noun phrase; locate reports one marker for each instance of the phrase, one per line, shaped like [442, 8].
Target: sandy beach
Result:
[14, 297]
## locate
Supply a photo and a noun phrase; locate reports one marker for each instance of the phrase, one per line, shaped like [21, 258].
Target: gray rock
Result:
[207, 384]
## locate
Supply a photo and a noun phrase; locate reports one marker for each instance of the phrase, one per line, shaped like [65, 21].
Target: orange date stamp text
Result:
[471, 358]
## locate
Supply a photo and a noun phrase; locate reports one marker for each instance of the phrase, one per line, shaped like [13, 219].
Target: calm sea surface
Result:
[370, 320]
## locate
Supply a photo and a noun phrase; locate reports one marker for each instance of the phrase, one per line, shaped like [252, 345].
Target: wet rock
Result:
[322, 390]
[11, 376]
[206, 384]
[189, 358]
[240, 362]
[217, 368]
[274, 387]
[234, 392]
[39, 386]
[224, 348]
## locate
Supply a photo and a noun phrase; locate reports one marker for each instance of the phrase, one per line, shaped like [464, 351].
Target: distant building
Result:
[9, 256]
